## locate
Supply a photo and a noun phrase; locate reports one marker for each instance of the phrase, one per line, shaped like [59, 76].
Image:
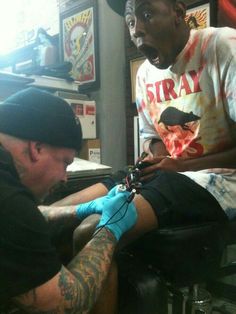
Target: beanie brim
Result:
[118, 6]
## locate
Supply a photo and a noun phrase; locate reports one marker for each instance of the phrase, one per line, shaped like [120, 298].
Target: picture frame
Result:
[134, 66]
[79, 42]
[201, 14]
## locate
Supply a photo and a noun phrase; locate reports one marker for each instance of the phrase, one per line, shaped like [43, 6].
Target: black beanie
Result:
[37, 115]
[118, 6]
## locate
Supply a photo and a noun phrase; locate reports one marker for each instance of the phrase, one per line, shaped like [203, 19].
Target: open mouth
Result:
[150, 53]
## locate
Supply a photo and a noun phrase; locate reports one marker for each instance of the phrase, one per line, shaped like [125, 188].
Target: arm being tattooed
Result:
[58, 213]
[75, 289]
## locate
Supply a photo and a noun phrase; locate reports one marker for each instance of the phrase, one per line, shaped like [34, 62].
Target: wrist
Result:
[109, 229]
[100, 231]
[114, 232]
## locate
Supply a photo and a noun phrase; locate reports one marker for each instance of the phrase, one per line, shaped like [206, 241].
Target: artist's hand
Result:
[118, 215]
[95, 206]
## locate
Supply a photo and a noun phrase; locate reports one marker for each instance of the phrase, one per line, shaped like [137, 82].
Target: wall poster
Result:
[201, 14]
[80, 43]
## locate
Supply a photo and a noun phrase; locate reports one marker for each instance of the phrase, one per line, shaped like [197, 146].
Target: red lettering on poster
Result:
[90, 110]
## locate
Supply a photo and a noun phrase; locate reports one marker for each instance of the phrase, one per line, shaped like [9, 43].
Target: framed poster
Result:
[134, 66]
[201, 14]
[79, 42]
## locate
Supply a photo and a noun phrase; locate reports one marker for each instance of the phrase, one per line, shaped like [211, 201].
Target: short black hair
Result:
[119, 6]
[129, 10]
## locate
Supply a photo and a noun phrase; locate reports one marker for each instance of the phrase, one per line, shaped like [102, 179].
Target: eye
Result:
[130, 22]
[147, 15]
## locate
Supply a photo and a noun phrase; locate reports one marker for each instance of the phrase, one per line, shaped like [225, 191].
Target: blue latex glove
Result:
[113, 191]
[94, 206]
[125, 214]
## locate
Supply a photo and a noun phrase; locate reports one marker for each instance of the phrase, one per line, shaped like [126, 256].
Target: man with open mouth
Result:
[185, 100]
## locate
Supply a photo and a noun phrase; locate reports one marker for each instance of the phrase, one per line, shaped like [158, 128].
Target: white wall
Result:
[110, 98]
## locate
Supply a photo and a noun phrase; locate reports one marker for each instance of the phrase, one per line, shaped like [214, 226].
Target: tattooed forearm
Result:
[74, 289]
[53, 213]
[91, 267]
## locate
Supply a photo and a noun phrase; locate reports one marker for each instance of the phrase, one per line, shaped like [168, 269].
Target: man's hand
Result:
[161, 163]
[119, 215]
[157, 157]
[95, 206]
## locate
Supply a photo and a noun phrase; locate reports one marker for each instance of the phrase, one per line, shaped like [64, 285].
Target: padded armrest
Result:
[231, 232]
[184, 254]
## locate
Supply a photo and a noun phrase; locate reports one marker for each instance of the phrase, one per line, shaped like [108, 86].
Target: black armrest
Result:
[183, 254]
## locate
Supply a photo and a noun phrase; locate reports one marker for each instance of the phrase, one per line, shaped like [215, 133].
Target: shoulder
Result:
[21, 211]
[10, 183]
[13, 193]
[225, 45]
[218, 37]
[216, 43]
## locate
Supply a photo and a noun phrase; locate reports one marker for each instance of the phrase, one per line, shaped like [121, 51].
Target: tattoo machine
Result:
[131, 182]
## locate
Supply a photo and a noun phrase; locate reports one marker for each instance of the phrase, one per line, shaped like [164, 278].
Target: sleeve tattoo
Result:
[80, 283]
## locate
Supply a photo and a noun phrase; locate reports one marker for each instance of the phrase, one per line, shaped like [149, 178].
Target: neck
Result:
[182, 39]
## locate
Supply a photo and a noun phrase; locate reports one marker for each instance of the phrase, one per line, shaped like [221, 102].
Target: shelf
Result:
[54, 83]
[9, 78]
[41, 81]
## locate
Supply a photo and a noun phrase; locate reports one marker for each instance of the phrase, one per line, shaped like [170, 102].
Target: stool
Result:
[185, 258]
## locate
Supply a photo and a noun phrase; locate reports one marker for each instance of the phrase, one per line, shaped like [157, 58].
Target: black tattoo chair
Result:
[182, 265]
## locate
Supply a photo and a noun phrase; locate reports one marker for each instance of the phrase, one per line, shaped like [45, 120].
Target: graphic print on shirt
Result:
[179, 132]
[172, 117]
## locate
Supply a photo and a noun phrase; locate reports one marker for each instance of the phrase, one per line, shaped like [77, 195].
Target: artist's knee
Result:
[84, 232]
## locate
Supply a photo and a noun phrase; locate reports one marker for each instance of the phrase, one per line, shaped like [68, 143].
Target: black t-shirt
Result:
[27, 257]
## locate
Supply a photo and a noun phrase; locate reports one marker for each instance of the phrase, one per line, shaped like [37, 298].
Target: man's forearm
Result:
[225, 159]
[91, 267]
[56, 213]
[74, 289]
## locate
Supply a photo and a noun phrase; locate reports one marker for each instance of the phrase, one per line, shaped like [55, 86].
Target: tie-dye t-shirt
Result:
[191, 106]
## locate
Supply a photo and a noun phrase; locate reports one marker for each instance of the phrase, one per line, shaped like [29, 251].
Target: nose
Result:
[138, 30]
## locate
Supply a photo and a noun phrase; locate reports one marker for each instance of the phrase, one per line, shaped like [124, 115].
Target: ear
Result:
[34, 150]
[180, 9]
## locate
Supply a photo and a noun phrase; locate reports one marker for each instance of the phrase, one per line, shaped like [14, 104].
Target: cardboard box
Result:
[85, 110]
[91, 150]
